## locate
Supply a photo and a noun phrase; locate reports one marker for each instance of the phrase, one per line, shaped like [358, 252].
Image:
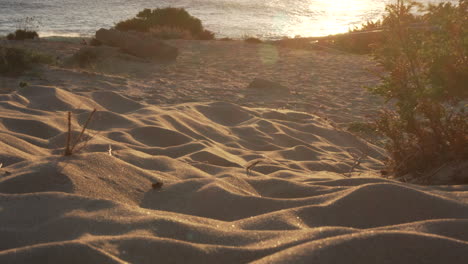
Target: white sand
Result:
[297, 205]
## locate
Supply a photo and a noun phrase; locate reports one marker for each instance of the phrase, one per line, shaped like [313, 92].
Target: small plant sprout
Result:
[357, 159]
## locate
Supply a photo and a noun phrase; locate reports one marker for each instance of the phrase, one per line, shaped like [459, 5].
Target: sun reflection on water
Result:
[330, 17]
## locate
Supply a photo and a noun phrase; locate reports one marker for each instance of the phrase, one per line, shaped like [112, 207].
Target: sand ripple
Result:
[240, 185]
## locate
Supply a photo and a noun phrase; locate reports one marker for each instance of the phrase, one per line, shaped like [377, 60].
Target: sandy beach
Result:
[183, 163]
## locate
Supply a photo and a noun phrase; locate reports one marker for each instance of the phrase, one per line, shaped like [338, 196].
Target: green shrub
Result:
[26, 29]
[252, 40]
[22, 34]
[165, 17]
[427, 77]
[362, 127]
[85, 57]
[206, 35]
[94, 42]
[14, 61]
[225, 39]
[359, 42]
[166, 32]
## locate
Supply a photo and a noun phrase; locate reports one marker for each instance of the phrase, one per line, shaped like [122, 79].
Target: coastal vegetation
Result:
[21, 34]
[14, 61]
[169, 22]
[426, 62]
[84, 57]
[26, 29]
[252, 40]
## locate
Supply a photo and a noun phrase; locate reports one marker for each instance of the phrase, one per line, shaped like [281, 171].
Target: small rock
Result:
[157, 185]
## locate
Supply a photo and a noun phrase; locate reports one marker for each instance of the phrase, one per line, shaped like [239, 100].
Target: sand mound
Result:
[53, 99]
[208, 182]
[159, 137]
[225, 114]
[115, 102]
[376, 247]
[106, 120]
[30, 127]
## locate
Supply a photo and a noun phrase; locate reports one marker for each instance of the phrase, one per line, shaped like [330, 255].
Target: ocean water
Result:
[233, 18]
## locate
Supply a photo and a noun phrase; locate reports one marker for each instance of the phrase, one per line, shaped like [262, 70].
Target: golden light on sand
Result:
[268, 54]
[212, 152]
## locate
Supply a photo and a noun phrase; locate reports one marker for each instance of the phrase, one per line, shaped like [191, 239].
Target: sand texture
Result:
[242, 181]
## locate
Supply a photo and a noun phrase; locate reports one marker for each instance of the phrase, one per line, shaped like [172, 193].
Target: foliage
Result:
[166, 32]
[26, 29]
[225, 39]
[94, 42]
[165, 17]
[28, 23]
[21, 34]
[206, 35]
[426, 58]
[359, 42]
[85, 57]
[368, 26]
[361, 127]
[252, 40]
[14, 61]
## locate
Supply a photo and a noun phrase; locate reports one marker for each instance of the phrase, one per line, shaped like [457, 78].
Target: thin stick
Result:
[68, 151]
[249, 167]
[83, 130]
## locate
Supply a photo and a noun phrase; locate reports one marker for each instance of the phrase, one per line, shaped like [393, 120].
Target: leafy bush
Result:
[26, 29]
[427, 76]
[165, 17]
[206, 35]
[225, 39]
[85, 57]
[166, 32]
[252, 40]
[94, 42]
[14, 61]
[361, 127]
[359, 42]
[22, 34]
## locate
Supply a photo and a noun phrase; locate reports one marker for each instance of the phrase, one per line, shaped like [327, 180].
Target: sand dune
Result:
[240, 184]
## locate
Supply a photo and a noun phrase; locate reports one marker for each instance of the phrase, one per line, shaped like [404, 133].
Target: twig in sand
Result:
[70, 147]
[67, 144]
[357, 161]
[84, 129]
[249, 167]
[86, 140]
[110, 150]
